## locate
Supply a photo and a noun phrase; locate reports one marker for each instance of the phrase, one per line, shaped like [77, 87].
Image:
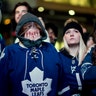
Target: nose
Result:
[71, 34]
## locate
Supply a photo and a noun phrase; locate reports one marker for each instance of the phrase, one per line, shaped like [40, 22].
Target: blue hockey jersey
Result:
[71, 71]
[29, 72]
[89, 74]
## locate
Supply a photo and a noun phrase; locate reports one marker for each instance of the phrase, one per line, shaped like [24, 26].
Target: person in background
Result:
[88, 37]
[72, 55]
[52, 31]
[30, 67]
[90, 41]
[2, 41]
[19, 10]
[88, 69]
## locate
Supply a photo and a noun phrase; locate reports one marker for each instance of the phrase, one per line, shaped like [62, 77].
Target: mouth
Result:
[71, 38]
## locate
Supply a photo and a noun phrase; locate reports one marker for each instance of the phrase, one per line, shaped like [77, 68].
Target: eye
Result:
[76, 31]
[29, 26]
[24, 11]
[16, 12]
[67, 32]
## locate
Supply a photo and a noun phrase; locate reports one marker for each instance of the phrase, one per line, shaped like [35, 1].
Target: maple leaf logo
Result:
[37, 86]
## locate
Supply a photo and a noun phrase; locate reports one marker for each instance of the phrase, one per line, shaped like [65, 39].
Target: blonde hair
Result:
[81, 51]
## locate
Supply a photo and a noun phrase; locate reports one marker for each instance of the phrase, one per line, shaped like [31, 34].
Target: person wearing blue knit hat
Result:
[71, 56]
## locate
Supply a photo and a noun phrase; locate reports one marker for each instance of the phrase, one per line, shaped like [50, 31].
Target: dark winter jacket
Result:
[89, 75]
[71, 73]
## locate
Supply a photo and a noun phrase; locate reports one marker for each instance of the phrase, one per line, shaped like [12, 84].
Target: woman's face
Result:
[72, 36]
[31, 31]
[20, 10]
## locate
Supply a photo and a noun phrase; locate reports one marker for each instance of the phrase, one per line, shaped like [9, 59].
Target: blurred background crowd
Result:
[51, 11]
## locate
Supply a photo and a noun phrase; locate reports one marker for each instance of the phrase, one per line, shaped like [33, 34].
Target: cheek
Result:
[16, 18]
[66, 38]
[78, 38]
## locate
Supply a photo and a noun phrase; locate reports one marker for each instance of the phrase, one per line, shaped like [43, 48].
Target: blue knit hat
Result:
[73, 25]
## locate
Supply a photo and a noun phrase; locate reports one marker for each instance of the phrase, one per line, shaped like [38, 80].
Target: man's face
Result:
[21, 10]
[52, 36]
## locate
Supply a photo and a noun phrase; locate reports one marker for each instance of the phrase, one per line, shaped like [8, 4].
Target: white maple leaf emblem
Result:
[37, 86]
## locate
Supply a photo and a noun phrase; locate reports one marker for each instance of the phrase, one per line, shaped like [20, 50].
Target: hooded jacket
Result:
[33, 71]
[28, 17]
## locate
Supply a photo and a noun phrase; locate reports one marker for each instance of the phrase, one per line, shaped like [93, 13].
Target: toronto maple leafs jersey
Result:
[71, 72]
[29, 72]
